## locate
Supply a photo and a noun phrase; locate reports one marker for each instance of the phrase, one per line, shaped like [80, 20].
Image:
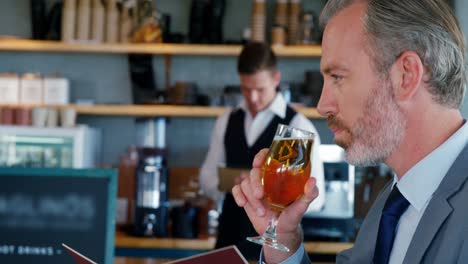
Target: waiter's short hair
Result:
[255, 57]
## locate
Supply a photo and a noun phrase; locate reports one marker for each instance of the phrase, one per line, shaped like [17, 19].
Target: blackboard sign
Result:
[42, 208]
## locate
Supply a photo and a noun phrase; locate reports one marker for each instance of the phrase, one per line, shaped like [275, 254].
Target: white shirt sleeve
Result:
[216, 156]
[296, 257]
[293, 259]
[302, 122]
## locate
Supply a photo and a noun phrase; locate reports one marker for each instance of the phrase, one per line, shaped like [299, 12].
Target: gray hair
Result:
[427, 27]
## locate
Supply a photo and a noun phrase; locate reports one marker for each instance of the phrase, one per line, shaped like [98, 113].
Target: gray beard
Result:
[379, 131]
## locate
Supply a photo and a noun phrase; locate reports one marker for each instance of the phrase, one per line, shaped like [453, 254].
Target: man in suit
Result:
[395, 74]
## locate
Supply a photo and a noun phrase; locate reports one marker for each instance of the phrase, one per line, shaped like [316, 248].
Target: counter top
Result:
[125, 241]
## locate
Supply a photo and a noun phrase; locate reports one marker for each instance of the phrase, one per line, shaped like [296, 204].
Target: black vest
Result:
[238, 153]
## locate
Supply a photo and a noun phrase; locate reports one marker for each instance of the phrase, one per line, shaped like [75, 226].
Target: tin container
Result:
[31, 89]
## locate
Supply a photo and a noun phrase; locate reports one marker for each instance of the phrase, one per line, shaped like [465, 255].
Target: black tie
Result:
[394, 207]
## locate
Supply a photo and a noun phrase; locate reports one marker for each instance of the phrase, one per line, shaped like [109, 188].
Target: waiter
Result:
[240, 133]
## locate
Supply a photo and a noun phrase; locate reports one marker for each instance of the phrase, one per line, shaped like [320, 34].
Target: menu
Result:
[226, 255]
[79, 258]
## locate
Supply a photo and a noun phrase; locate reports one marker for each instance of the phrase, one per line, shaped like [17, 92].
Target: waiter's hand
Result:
[249, 194]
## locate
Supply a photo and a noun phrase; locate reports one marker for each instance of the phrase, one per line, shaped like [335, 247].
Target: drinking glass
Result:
[284, 175]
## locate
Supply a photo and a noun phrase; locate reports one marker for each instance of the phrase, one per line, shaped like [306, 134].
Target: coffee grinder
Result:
[151, 212]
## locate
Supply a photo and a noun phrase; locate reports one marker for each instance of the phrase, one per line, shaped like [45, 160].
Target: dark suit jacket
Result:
[442, 233]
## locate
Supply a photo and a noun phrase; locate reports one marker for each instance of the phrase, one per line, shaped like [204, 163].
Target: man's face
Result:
[259, 89]
[358, 102]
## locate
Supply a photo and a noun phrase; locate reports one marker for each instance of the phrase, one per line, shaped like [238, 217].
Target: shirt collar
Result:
[277, 106]
[428, 173]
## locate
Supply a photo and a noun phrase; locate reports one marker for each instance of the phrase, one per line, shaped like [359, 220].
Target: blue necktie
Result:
[394, 207]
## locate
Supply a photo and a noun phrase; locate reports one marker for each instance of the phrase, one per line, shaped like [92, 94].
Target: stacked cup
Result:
[281, 13]
[258, 20]
[293, 25]
[278, 32]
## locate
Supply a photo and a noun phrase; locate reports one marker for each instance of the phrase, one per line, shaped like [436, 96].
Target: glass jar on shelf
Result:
[308, 29]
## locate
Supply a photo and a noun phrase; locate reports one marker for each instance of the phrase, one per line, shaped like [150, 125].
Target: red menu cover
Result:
[79, 258]
[226, 255]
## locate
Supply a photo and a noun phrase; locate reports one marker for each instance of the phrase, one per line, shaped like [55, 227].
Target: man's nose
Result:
[254, 96]
[327, 103]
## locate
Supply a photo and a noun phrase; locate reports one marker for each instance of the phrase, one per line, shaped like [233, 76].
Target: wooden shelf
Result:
[155, 110]
[299, 51]
[150, 110]
[166, 110]
[152, 48]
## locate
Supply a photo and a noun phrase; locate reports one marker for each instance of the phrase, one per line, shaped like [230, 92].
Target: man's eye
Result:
[336, 77]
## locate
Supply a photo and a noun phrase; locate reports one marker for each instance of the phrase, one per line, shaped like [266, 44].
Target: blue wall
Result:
[104, 78]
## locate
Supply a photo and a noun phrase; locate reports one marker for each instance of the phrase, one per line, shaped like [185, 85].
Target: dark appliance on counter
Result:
[185, 220]
[54, 22]
[231, 96]
[214, 25]
[335, 222]
[38, 19]
[151, 211]
[144, 90]
[206, 21]
[183, 93]
[197, 14]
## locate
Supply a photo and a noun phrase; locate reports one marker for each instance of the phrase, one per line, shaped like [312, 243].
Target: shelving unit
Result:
[164, 49]
[312, 51]
[156, 110]
[168, 50]
[154, 114]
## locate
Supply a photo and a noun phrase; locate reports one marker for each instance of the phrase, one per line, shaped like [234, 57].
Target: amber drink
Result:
[285, 173]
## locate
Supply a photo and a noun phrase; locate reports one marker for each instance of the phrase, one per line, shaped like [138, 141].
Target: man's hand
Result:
[249, 194]
[240, 178]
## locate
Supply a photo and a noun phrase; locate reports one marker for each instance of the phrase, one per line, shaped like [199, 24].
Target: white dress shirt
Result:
[254, 127]
[417, 186]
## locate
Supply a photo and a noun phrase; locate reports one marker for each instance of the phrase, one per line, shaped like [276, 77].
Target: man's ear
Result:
[407, 75]
[277, 77]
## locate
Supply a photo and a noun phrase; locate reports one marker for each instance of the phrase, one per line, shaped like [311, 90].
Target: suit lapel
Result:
[434, 216]
[438, 209]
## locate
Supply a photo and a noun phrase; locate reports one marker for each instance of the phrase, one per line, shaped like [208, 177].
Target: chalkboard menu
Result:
[42, 208]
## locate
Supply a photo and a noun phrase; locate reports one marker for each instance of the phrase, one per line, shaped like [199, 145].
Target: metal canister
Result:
[31, 89]
[9, 88]
[151, 193]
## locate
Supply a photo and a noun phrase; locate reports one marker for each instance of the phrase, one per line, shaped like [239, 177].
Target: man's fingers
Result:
[256, 182]
[244, 175]
[260, 158]
[243, 197]
[247, 190]
[310, 191]
[239, 197]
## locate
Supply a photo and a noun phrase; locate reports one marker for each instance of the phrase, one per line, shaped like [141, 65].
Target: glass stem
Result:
[270, 232]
